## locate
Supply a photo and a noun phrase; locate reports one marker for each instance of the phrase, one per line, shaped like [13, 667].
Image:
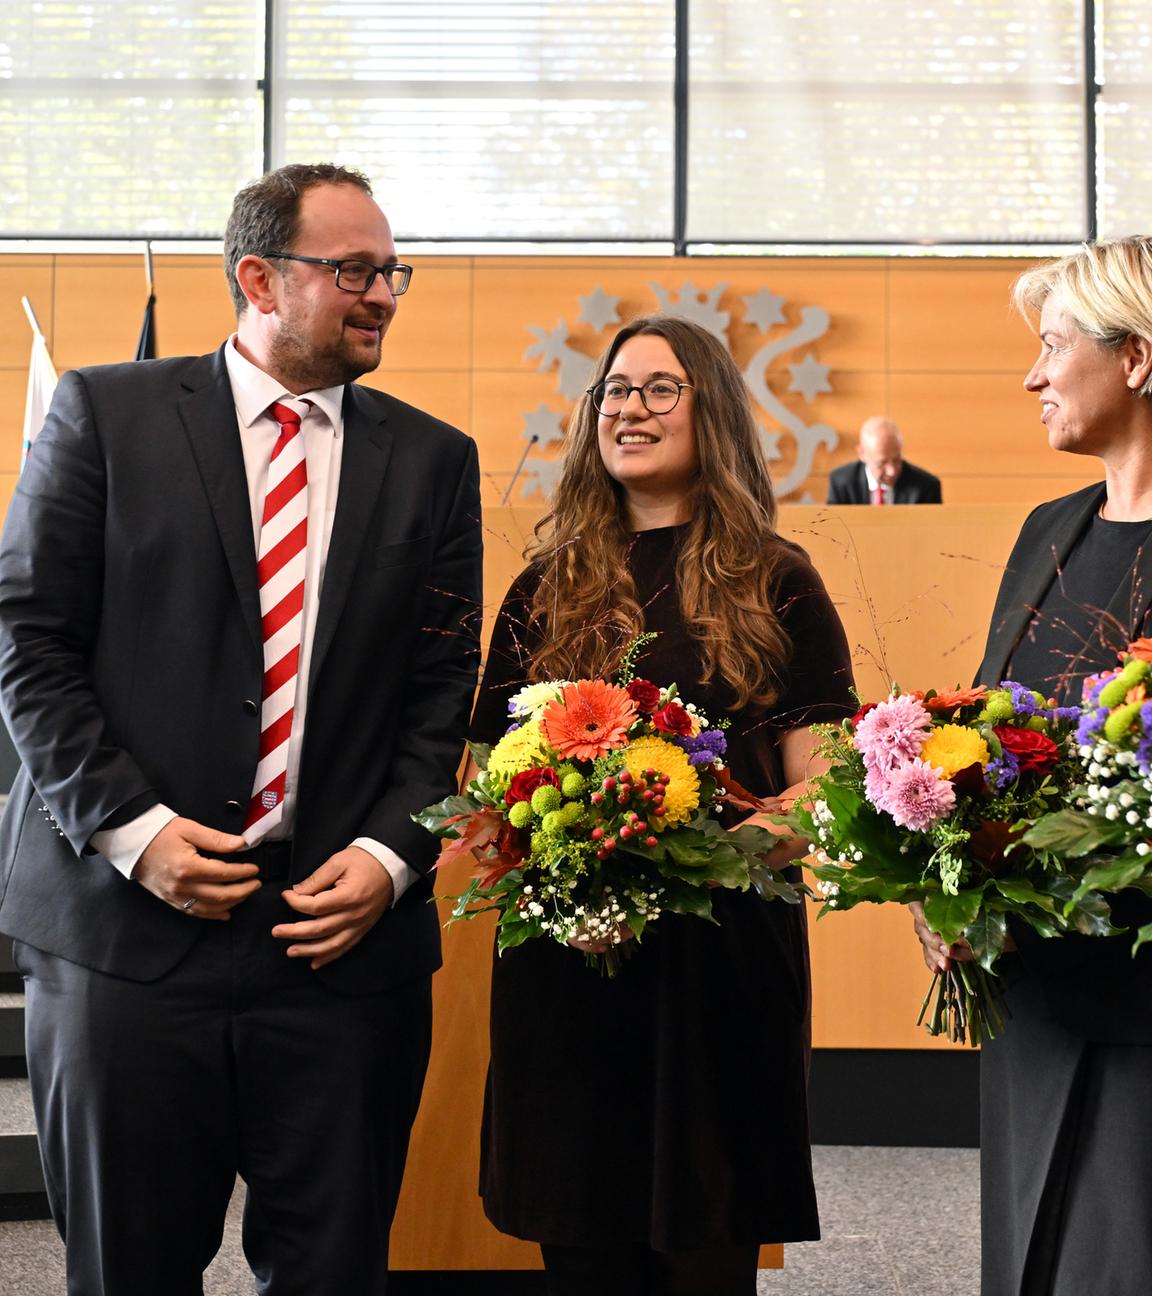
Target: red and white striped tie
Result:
[280, 569]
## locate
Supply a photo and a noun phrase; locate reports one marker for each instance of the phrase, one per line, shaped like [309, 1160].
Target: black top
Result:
[1069, 636]
[665, 1107]
[1074, 594]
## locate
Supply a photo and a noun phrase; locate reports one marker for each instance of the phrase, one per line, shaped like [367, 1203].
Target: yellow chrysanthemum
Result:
[521, 749]
[951, 748]
[683, 794]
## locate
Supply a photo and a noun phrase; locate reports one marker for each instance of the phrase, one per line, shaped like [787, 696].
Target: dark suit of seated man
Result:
[221, 907]
[881, 475]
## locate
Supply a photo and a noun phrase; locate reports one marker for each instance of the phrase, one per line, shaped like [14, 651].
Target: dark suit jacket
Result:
[1093, 985]
[848, 484]
[130, 642]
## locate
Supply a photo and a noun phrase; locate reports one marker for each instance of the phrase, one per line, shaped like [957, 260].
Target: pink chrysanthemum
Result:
[876, 787]
[916, 795]
[892, 732]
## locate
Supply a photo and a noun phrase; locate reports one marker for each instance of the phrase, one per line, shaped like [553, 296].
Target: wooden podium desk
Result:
[915, 588]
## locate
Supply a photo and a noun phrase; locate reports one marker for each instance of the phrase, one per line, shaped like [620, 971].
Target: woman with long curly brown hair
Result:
[650, 1130]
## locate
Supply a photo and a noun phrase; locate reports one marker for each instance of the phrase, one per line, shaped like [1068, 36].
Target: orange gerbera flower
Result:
[953, 699]
[588, 719]
[1141, 649]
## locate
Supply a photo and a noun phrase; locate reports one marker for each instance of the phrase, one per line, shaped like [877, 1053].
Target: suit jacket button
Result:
[252, 708]
[233, 805]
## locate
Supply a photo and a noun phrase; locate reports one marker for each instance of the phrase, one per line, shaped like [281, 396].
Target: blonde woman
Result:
[1066, 1139]
[650, 1131]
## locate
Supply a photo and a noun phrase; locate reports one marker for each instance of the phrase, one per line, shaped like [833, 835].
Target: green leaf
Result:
[1074, 833]
[432, 817]
[480, 753]
[1112, 875]
[987, 935]
[682, 898]
[771, 886]
[1143, 936]
[950, 914]
[1024, 893]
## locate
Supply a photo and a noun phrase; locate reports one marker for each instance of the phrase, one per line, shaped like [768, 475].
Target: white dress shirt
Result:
[253, 392]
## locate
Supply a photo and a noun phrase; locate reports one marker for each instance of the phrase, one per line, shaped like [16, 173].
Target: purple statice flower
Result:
[512, 727]
[1002, 770]
[1061, 713]
[1023, 703]
[1091, 722]
[892, 732]
[917, 796]
[704, 748]
[1144, 746]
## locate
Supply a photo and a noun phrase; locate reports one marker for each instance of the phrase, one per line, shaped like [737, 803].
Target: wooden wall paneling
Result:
[194, 311]
[99, 309]
[446, 393]
[977, 424]
[13, 393]
[956, 315]
[432, 328]
[31, 277]
[501, 400]
[1031, 490]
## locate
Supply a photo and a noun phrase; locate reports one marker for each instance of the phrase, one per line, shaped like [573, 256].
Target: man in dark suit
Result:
[221, 913]
[881, 475]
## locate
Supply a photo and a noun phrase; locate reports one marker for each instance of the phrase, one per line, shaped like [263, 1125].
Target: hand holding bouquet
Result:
[597, 812]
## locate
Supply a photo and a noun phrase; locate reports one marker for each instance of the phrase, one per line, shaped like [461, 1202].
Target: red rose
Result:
[1035, 752]
[527, 781]
[644, 694]
[672, 719]
[868, 706]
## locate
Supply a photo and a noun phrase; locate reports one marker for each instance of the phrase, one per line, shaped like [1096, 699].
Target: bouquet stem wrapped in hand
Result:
[596, 813]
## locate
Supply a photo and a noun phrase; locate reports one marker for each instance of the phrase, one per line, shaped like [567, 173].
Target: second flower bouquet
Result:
[927, 798]
[597, 812]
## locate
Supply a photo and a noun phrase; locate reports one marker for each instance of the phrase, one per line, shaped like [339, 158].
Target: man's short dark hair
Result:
[266, 215]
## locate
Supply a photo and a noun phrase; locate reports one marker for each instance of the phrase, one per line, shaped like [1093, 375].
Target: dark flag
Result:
[146, 346]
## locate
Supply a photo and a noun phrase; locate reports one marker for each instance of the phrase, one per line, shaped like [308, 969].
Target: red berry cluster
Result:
[644, 794]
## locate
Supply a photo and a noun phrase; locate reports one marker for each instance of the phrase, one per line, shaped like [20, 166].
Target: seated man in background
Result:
[881, 475]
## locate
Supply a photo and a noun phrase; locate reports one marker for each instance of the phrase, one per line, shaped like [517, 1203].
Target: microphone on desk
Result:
[519, 469]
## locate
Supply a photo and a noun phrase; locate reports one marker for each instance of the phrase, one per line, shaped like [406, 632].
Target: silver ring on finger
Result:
[187, 905]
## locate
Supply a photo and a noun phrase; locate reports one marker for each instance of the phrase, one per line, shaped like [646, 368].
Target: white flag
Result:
[41, 385]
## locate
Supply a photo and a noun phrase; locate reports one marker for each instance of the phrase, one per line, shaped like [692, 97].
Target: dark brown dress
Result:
[665, 1107]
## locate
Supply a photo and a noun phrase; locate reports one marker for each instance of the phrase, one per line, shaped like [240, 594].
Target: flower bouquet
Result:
[927, 798]
[1108, 829]
[597, 812]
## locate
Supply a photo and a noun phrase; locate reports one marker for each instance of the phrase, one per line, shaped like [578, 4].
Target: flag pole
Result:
[31, 317]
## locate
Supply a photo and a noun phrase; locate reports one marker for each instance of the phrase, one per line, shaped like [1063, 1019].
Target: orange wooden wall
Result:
[931, 343]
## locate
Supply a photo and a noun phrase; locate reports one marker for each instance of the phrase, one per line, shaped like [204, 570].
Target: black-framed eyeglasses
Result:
[660, 395]
[356, 276]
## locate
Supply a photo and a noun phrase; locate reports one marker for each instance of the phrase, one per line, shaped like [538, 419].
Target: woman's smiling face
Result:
[652, 455]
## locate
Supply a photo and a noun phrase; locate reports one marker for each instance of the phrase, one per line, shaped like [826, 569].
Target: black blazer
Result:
[848, 484]
[1092, 985]
[130, 643]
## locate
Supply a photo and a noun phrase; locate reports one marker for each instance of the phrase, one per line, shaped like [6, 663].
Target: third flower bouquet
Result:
[927, 798]
[597, 812]
[1107, 831]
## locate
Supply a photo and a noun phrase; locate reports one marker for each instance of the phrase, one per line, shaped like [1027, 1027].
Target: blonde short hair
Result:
[1106, 289]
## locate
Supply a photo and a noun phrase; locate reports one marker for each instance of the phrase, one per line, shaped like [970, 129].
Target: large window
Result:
[692, 123]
